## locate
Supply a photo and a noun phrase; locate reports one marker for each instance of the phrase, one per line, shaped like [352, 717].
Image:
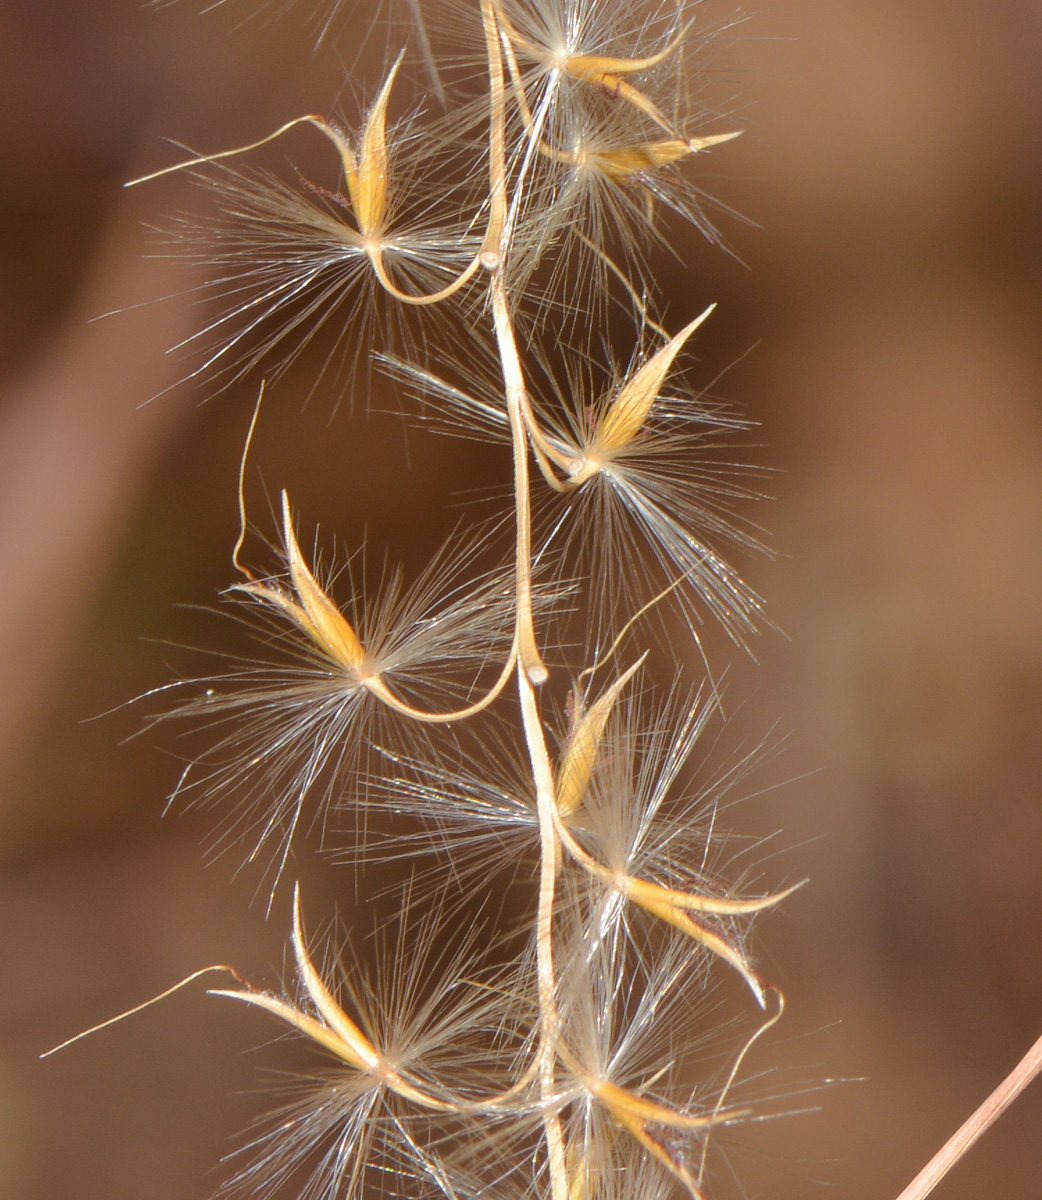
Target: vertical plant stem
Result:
[496, 140]
[548, 860]
[531, 670]
[529, 658]
[493, 255]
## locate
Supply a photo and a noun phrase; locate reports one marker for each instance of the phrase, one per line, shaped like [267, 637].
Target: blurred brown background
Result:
[892, 161]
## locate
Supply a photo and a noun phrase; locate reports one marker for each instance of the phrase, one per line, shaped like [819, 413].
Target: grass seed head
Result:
[550, 1060]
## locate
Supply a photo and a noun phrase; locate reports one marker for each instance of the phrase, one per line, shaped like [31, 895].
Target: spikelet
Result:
[644, 844]
[289, 727]
[409, 1049]
[620, 133]
[642, 494]
[625, 1024]
[343, 266]
[646, 468]
[640, 848]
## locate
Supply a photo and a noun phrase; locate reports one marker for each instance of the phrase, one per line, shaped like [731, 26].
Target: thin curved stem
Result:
[531, 669]
[382, 692]
[203, 159]
[376, 258]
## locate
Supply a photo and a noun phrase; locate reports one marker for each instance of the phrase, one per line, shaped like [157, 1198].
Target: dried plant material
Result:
[580, 754]
[625, 415]
[376, 713]
[586, 1064]
[312, 610]
[366, 170]
[287, 262]
[407, 1048]
[656, 901]
[613, 141]
[372, 181]
[613, 836]
[1029, 1067]
[332, 1029]
[627, 1044]
[625, 162]
[605, 72]
[675, 908]
[649, 1122]
[222, 967]
[646, 511]
[295, 722]
[368, 176]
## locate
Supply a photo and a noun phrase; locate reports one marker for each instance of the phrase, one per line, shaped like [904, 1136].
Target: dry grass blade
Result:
[989, 1112]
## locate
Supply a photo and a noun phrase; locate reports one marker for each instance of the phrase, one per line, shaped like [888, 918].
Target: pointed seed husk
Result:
[373, 164]
[579, 758]
[626, 414]
[322, 620]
